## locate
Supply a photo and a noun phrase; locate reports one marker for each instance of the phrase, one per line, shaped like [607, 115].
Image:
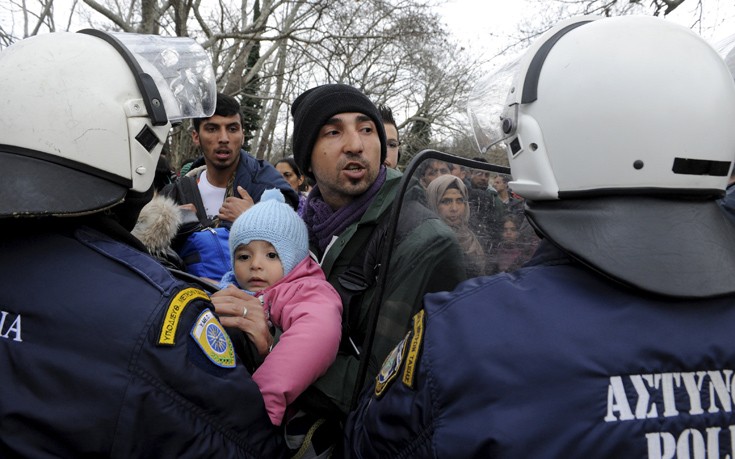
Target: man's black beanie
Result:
[314, 107]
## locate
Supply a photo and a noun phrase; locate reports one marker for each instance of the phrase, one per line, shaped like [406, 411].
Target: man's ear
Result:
[195, 137]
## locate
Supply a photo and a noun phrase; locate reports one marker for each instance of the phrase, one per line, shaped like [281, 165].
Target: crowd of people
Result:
[240, 308]
[479, 222]
[220, 196]
[487, 219]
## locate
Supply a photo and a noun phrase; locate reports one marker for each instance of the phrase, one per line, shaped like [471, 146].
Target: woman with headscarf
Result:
[447, 196]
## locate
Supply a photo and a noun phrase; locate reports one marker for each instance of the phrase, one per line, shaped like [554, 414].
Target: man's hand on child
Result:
[240, 310]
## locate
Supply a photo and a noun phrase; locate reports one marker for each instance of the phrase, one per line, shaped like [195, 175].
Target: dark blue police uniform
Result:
[728, 202]
[105, 354]
[554, 361]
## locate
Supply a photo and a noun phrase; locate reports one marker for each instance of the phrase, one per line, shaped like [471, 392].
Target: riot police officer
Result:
[104, 353]
[616, 339]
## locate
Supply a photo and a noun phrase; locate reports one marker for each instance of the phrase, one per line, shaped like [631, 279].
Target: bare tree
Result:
[440, 77]
[266, 52]
[397, 55]
[26, 21]
[553, 11]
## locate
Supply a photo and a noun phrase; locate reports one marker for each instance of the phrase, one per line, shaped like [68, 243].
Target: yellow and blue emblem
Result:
[211, 337]
[390, 368]
[405, 354]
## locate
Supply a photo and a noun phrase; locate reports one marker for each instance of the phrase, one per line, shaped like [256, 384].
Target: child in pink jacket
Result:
[269, 245]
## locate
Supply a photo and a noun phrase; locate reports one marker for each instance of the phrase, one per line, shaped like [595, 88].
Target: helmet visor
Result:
[181, 70]
[492, 107]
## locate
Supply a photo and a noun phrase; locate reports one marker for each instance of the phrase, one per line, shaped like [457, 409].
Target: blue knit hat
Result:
[274, 221]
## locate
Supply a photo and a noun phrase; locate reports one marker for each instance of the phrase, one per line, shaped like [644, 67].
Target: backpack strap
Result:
[188, 193]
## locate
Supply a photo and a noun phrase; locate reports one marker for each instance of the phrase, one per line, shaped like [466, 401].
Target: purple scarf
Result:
[324, 223]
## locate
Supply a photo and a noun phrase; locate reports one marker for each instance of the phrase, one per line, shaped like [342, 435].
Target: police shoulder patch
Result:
[212, 339]
[391, 365]
[170, 325]
[409, 371]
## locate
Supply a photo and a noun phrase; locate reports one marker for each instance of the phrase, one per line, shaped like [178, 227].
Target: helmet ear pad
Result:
[529, 161]
[144, 153]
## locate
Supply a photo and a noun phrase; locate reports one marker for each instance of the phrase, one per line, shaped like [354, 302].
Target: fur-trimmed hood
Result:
[158, 224]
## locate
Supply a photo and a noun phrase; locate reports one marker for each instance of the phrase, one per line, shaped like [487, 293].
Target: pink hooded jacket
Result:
[309, 312]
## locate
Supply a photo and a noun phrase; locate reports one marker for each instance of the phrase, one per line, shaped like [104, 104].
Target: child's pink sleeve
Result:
[310, 314]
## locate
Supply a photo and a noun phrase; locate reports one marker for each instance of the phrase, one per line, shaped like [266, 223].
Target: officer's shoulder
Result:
[195, 281]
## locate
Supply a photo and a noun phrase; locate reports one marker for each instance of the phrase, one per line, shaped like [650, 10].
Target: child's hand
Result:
[239, 310]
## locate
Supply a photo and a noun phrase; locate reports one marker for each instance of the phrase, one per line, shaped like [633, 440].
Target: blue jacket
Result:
[205, 253]
[554, 361]
[105, 354]
[254, 175]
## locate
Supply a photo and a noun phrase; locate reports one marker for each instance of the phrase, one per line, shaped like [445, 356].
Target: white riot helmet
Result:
[620, 135]
[619, 104]
[84, 116]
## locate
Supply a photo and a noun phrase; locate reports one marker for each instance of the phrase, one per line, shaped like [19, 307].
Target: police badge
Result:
[391, 365]
[211, 337]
